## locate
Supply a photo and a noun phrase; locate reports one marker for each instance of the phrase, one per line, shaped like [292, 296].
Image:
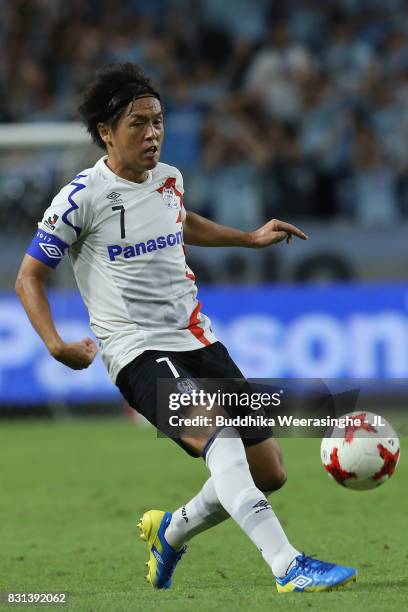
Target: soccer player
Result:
[124, 225]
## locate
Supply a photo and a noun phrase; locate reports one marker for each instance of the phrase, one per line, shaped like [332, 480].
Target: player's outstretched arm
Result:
[199, 231]
[31, 289]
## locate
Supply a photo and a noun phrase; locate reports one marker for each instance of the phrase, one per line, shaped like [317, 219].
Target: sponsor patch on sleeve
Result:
[47, 248]
[50, 222]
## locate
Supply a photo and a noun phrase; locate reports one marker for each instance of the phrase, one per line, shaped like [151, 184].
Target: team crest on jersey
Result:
[170, 194]
[170, 197]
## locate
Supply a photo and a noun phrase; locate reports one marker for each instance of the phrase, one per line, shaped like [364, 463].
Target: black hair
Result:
[113, 88]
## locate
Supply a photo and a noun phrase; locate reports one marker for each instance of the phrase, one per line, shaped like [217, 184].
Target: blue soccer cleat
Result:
[163, 557]
[311, 575]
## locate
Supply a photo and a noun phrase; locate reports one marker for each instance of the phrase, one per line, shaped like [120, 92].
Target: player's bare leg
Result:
[266, 465]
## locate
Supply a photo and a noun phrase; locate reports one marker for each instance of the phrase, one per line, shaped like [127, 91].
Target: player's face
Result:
[135, 142]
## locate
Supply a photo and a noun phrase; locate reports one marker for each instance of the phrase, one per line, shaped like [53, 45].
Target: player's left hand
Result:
[273, 232]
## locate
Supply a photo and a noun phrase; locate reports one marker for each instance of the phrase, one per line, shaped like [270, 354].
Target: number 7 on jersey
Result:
[122, 219]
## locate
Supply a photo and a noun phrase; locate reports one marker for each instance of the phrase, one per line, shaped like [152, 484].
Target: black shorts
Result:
[138, 383]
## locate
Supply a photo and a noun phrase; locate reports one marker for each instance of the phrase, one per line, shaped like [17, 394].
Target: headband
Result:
[131, 91]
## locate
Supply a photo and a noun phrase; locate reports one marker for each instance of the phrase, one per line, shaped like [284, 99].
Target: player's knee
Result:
[272, 481]
[279, 480]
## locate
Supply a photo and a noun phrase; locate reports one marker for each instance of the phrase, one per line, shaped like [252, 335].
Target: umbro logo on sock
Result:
[263, 504]
[184, 514]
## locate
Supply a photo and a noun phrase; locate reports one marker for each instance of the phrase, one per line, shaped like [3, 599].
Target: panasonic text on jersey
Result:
[116, 251]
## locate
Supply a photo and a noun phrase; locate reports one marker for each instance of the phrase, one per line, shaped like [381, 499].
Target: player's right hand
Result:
[76, 355]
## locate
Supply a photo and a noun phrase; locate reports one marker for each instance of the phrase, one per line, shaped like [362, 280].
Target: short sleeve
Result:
[63, 223]
[180, 190]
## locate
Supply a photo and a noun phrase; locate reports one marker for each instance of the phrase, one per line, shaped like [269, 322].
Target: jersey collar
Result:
[108, 172]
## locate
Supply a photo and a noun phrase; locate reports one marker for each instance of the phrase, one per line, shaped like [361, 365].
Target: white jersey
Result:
[125, 243]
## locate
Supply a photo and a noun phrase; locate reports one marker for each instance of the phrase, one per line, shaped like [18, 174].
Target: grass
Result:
[71, 495]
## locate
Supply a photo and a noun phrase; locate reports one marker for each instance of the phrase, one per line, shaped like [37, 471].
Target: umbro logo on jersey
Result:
[114, 195]
[51, 250]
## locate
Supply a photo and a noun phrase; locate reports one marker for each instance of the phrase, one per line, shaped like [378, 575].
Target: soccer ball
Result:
[363, 453]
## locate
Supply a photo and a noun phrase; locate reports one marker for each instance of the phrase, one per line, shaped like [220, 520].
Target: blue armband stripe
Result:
[47, 248]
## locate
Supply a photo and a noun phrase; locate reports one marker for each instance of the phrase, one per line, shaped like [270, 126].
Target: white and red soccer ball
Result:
[362, 454]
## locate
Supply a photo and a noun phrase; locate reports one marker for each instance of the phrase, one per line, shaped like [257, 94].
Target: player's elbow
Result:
[32, 276]
[19, 285]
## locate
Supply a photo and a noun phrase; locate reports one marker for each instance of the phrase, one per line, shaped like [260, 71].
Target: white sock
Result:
[199, 514]
[245, 503]
[202, 512]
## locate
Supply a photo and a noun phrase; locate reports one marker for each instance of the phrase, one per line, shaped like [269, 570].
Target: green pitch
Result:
[71, 495]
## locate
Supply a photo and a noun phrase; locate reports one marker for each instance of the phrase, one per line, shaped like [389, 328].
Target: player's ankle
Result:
[282, 563]
[173, 538]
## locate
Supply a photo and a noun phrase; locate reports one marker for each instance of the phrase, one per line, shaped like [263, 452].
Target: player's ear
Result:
[104, 132]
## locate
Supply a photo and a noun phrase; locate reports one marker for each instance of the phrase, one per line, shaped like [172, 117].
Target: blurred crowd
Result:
[293, 109]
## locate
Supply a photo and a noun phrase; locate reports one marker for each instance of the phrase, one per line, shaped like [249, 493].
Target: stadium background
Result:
[272, 110]
[292, 110]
